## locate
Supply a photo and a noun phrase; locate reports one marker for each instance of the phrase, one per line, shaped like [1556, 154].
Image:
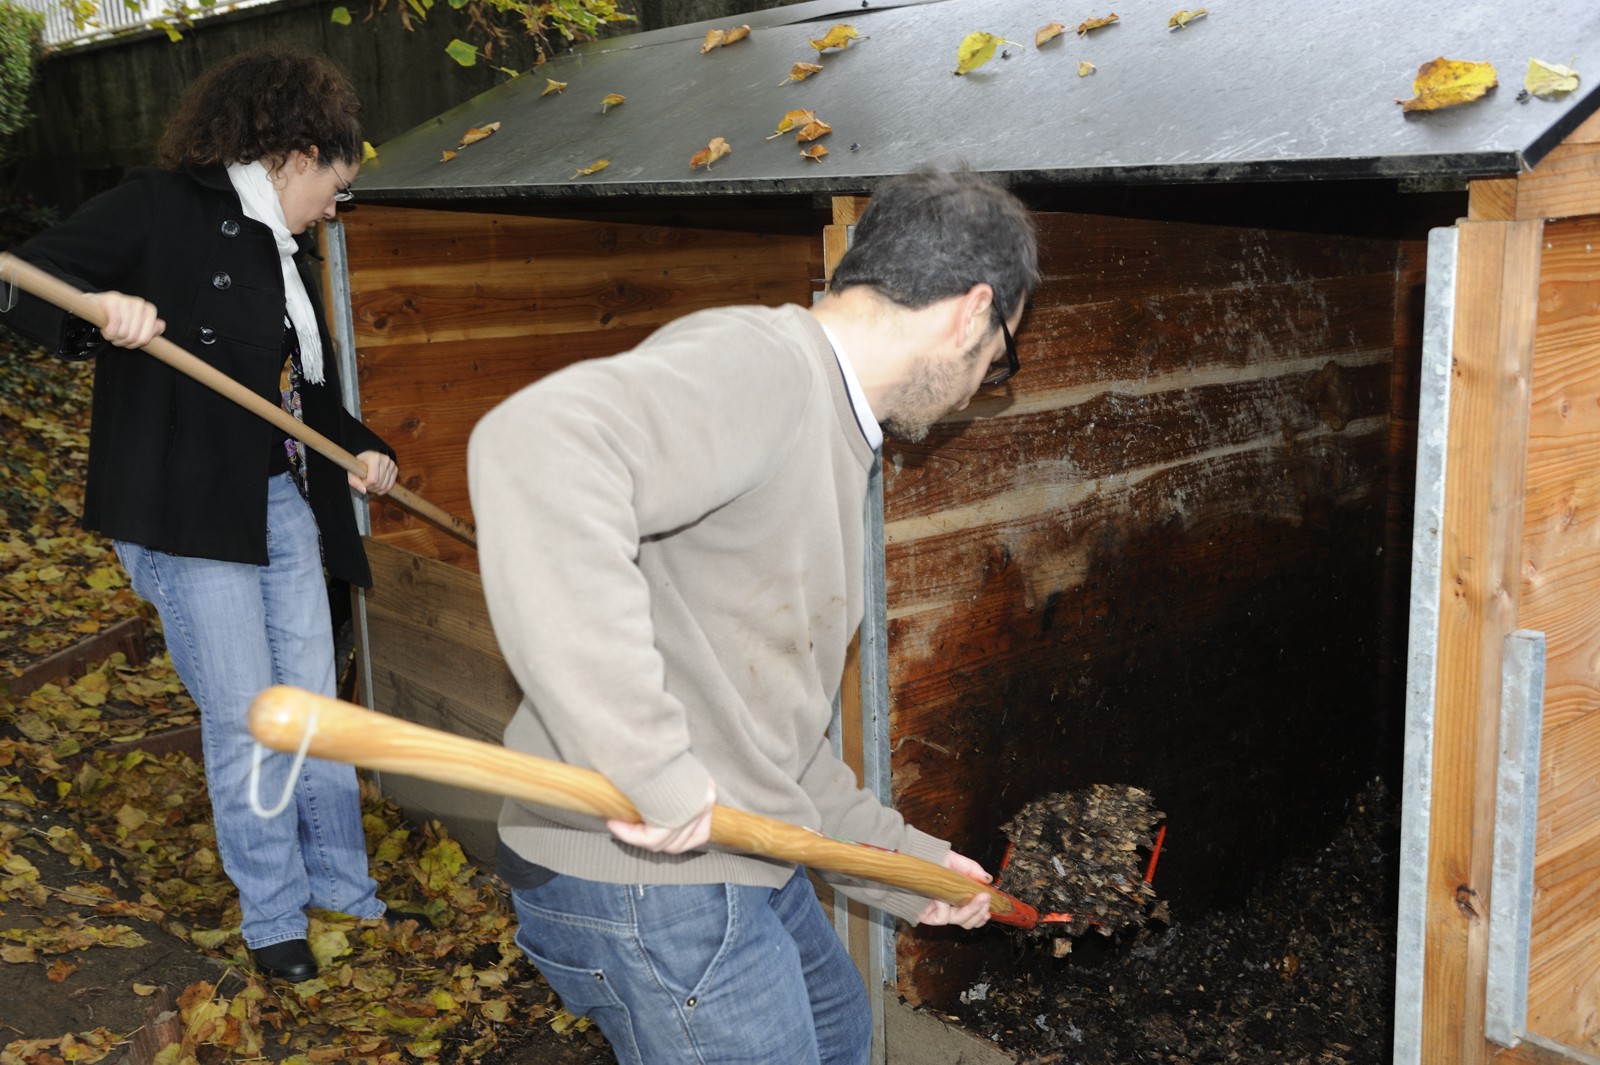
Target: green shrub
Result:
[19, 43]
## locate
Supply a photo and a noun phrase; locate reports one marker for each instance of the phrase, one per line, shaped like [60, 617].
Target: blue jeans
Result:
[233, 629]
[702, 973]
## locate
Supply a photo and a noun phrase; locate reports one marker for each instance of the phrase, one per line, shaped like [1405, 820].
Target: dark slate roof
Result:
[1256, 90]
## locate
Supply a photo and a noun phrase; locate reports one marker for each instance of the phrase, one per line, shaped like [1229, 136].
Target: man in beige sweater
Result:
[671, 543]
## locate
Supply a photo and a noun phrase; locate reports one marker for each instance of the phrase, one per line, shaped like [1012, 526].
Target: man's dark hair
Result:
[262, 105]
[932, 234]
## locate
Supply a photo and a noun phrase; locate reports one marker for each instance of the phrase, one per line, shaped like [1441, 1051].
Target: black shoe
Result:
[395, 917]
[290, 960]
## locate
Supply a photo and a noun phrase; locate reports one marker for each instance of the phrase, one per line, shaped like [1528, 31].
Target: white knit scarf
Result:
[260, 201]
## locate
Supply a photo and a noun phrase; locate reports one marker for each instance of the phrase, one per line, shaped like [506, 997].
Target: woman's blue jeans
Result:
[233, 629]
[702, 973]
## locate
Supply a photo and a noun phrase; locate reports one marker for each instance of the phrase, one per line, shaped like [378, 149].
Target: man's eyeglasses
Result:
[345, 193]
[999, 375]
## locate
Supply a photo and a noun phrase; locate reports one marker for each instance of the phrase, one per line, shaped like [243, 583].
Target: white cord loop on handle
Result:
[294, 773]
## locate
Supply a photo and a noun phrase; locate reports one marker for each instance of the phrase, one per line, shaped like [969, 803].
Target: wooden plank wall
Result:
[1561, 597]
[434, 660]
[455, 310]
[1156, 560]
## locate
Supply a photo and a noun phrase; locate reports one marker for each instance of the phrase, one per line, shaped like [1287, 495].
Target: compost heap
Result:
[1301, 972]
[1081, 853]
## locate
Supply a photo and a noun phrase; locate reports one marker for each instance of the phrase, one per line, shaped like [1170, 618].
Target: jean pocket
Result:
[586, 992]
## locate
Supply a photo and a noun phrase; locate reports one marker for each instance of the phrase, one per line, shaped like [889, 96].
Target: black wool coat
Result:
[174, 466]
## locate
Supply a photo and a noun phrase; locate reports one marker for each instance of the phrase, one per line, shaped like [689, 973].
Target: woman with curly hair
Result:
[221, 521]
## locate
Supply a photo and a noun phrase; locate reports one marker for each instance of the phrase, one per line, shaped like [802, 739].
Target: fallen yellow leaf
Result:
[790, 121]
[710, 153]
[1096, 23]
[477, 133]
[1445, 82]
[816, 151]
[801, 71]
[1048, 33]
[714, 38]
[812, 131]
[447, 156]
[1183, 18]
[839, 36]
[552, 85]
[976, 49]
[1085, 68]
[593, 168]
[738, 33]
[1549, 79]
[612, 99]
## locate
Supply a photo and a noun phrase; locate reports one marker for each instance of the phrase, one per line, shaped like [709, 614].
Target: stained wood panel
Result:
[1497, 280]
[456, 310]
[434, 661]
[1560, 596]
[1158, 558]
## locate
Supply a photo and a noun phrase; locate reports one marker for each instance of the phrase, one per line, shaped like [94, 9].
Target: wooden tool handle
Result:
[32, 279]
[340, 732]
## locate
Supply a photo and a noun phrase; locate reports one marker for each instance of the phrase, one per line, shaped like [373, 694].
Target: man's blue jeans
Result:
[712, 973]
[233, 629]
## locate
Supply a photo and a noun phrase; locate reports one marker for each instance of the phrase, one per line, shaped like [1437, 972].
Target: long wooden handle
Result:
[32, 279]
[281, 716]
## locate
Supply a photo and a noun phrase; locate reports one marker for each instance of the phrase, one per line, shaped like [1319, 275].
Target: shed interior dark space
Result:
[1232, 632]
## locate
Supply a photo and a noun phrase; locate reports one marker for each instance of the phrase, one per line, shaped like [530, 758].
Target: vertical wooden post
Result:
[1497, 302]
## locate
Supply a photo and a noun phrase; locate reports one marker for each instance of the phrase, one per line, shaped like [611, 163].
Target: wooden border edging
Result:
[126, 636]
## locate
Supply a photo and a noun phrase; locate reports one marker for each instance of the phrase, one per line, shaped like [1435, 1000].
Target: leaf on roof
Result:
[976, 49]
[1085, 68]
[1445, 82]
[710, 153]
[1549, 79]
[552, 85]
[476, 134]
[446, 156]
[612, 99]
[1102, 21]
[368, 152]
[838, 36]
[714, 39]
[1048, 33]
[801, 71]
[790, 121]
[1182, 18]
[812, 130]
[816, 151]
[735, 35]
[593, 168]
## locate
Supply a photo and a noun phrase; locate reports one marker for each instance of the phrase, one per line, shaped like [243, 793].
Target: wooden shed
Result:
[1299, 483]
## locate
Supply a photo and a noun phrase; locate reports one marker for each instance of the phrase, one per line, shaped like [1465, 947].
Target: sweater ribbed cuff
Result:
[675, 795]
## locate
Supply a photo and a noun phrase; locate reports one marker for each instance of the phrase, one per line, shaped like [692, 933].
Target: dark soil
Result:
[1303, 972]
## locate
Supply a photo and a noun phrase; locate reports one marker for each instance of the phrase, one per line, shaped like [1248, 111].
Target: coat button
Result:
[221, 280]
[230, 228]
[208, 335]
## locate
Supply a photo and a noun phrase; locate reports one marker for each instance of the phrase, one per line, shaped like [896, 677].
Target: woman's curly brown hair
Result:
[264, 105]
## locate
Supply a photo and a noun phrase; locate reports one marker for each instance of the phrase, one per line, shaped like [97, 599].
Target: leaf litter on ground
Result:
[137, 825]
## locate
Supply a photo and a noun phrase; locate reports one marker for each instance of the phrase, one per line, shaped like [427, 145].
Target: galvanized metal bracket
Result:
[1516, 820]
[1416, 796]
[343, 329]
